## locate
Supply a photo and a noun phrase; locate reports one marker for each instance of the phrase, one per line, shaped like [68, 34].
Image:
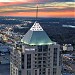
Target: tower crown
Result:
[36, 36]
[36, 27]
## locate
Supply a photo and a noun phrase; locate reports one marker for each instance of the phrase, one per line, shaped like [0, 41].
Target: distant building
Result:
[67, 47]
[38, 56]
[69, 60]
[9, 32]
[0, 37]
[15, 61]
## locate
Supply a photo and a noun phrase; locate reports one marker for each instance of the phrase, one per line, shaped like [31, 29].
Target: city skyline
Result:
[46, 8]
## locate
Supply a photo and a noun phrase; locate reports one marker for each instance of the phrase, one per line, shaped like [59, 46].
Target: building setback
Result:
[39, 55]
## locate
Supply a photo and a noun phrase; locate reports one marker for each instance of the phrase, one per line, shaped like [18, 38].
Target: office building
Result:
[39, 55]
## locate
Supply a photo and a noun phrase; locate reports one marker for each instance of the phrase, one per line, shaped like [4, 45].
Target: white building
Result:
[67, 47]
[39, 56]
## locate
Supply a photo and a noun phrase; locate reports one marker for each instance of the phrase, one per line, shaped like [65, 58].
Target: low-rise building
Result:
[67, 47]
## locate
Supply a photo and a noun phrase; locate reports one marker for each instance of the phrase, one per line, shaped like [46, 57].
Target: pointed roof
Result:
[36, 36]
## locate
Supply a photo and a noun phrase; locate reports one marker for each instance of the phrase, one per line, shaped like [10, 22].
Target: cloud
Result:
[44, 8]
[13, 0]
[36, 1]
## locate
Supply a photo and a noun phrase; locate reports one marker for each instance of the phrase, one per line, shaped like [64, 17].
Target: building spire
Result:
[37, 13]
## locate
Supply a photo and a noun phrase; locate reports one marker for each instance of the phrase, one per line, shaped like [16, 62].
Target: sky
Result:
[47, 8]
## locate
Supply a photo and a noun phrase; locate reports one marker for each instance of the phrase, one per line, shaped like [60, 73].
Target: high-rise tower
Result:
[40, 56]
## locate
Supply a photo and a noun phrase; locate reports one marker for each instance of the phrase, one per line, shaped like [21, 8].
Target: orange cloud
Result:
[10, 3]
[51, 10]
[42, 14]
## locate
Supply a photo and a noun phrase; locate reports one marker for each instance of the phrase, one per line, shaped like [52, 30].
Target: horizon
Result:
[37, 17]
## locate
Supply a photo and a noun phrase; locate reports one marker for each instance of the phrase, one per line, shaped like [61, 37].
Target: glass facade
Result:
[54, 71]
[42, 59]
[22, 59]
[39, 48]
[45, 48]
[55, 57]
[19, 73]
[28, 61]
[48, 71]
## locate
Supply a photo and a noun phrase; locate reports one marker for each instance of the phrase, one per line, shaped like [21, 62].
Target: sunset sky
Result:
[47, 8]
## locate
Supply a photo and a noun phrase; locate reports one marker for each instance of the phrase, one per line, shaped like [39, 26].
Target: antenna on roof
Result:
[37, 13]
